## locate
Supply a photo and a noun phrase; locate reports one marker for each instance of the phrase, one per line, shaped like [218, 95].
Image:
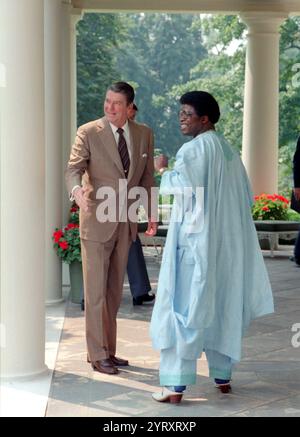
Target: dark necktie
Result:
[123, 151]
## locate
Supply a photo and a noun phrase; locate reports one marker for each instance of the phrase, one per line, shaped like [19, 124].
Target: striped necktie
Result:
[123, 151]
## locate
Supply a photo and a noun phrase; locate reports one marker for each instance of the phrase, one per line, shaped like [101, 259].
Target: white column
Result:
[53, 133]
[260, 129]
[22, 188]
[66, 99]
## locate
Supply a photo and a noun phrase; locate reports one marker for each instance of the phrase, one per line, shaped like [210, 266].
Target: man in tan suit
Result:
[108, 152]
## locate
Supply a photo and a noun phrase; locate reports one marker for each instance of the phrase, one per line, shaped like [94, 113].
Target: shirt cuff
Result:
[72, 198]
[162, 170]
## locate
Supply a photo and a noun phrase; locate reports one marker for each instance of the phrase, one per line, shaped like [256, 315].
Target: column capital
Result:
[76, 15]
[72, 14]
[263, 22]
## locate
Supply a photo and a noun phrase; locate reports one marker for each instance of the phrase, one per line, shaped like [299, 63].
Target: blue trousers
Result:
[176, 371]
[297, 248]
[136, 270]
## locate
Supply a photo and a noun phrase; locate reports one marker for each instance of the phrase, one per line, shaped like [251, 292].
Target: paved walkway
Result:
[265, 383]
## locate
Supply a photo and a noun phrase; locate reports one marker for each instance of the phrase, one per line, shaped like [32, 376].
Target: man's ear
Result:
[129, 109]
[205, 119]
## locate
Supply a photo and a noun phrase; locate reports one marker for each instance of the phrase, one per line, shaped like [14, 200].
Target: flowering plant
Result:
[270, 207]
[67, 239]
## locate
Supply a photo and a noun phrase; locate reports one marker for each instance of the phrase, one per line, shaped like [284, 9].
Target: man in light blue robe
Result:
[213, 279]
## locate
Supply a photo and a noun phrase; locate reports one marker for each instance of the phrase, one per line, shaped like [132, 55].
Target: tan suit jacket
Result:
[95, 163]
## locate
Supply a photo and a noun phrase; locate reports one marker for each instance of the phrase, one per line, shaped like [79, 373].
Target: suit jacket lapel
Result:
[135, 148]
[109, 142]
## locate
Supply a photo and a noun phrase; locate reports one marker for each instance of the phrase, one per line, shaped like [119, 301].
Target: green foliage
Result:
[74, 214]
[285, 160]
[66, 241]
[220, 30]
[270, 207]
[293, 216]
[159, 52]
[97, 39]
[289, 101]
[165, 55]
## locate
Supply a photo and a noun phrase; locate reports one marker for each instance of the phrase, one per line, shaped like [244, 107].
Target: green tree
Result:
[289, 126]
[289, 101]
[159, 52]
[165, 55]
[221, 73]
[97, 40]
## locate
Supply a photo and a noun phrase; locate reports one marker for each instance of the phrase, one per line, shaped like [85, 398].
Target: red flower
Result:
[283, 199]
[64, 245]
[270, 207]
[66, 241]
[57, 236]
[71, 226]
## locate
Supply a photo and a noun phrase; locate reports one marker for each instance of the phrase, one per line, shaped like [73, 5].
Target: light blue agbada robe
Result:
[229, 284]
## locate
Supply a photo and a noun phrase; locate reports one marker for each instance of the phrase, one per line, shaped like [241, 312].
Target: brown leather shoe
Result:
[118, 361]
[104, 366]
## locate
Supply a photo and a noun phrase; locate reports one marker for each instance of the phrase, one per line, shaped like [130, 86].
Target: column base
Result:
[26, 377]
[54, 301]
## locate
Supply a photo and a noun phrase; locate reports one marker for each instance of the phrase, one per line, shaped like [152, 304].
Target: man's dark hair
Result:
[135, 107]
[123, 88]
[203, 103]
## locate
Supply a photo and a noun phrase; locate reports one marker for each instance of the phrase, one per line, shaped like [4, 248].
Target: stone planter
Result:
[76, 281]
[276, 225]
[270, 232]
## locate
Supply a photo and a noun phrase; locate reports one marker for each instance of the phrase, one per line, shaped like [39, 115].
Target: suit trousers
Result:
[104, 267]
[297, 249]
[136, 270]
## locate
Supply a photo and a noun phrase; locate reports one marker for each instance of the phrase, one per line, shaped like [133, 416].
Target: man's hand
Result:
[80, 199]
[160, 162]
[297, 193]
[152, 228]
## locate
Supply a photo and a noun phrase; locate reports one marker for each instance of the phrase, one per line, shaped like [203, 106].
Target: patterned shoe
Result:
[167, 395]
